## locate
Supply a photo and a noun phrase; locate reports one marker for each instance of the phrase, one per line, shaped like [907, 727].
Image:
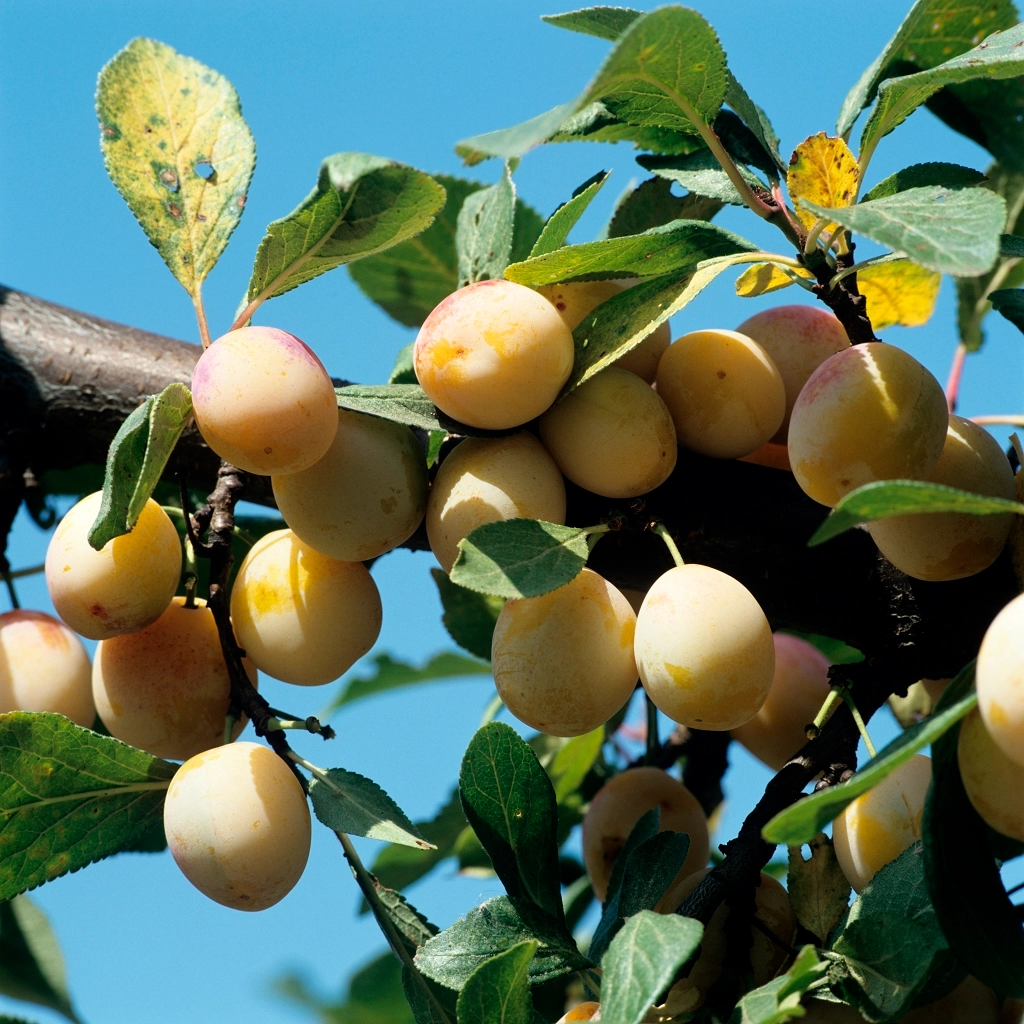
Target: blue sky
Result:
[405, 81]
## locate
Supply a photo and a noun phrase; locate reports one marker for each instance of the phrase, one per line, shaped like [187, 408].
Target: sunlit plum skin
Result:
[576, 300]
[493, 355]
[238, 826]
[704, 649]
[613, 435]
[620, 803]
[725, 394]
[580, 1012]
[994, 783]
[945, 545]
[44, 667]
[300, 616]
[166, 689]
[999, 679]
[799, 688]
[486, 480]
[263, 401]
[870, 412]
[798, 339]
[364, 497]
[563, 662]
[886, 820]
[121, 588]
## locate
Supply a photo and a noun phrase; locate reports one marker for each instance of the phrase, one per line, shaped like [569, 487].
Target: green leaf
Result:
[818, 889]
[953, 231]
[390, 674]
[596, 123]
[361, 205]
[483, 238]
[757, 121]
[510, 143]
[468, 616]
[1012, 245]
[652, 204]
[1009, 302]
[348, 802]
[564, 219]
[31, 964]
[921, 175]
[837, 652]
[430, 1003]
[70, 797]
[701, 174]
[646, 827]
[570, 765]
[177, 149]
[498, 991]
[980, 923]
[800, 822]
[520, 557]
[408, 280]
[642, 961]
[403, 372]
[509, 801]
[526, 229]
[400, 403]
[472, 858]
[886, 498]
[495, 926]
[435, 440]
[779, 1000]
[414, 928]
[603, 22]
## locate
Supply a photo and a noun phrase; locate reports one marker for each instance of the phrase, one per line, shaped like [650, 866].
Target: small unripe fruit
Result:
[798, 339]
[704, 649]
[619, 805]
[300, 616]
[883, 822]
[263, 401]
[44, 667]
[613, 435]
[364, 497]
[121, 588]
[493, 355]
[799, 688]
[724, 392]
[994, 783]
[166, 689]
[485, 480]
[947, 545]
[238, 826]
[563, 662]
[999, 679]
[871, 412]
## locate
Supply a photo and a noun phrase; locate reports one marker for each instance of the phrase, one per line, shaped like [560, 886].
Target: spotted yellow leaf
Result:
[177, 148]
[824, 171]
[761, 278]
[901, 293]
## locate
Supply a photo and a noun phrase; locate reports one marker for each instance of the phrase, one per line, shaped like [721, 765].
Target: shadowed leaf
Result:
[468, 615]
[498, 991]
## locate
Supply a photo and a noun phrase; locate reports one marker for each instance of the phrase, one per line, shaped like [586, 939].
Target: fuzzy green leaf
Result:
[498, 991]
[757, 121]
[468, 615]
[1009, 302]
[886, 498]
[921, 175]
[69, 796]
[178, 150]
[779, 1000]
[701, 174]
[569, 767]
[564, 219]
[403, 372]
[414, 928]
[400, 403]
[652, 204]
[483, 237]
[603, 22]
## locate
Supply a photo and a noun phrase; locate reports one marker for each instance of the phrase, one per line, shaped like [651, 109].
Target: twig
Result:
[652, 743]
[955, 373]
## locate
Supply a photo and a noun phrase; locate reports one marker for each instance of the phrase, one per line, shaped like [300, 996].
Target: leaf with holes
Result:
[823, 171]
[136, 461]
[652, 204]
[564, 219]
[498, 991]
[701, 174]
[902, 293]
[70, 797]
[468, 615]
[818, 889]
[483, 237]
[178, 150]
[919, 175]
[400, 403]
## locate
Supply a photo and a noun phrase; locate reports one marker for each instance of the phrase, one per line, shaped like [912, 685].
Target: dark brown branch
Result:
[849, 306]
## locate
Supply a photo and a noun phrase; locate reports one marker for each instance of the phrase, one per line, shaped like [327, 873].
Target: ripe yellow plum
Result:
[165, 689]
[300, 616]
[485, 480]
[575, 300]
[704, 649]
[726, 396]
[971, 1002]
[870, 412]
[563, 662]
[364, 497]
[999, 679]
[798, 339]
[945, 545]
[493, 355]
[263, 401]
[238, 826]
[883, 822]
[994, 783]
[44, 667]
[581, 1011]
[799, 688]
[619, 805]
[613, 435]
[121, 588]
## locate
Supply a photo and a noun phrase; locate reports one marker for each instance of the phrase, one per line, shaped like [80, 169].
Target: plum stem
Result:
[662, 531]
[861, 727]
[812, 730]
[204, 329]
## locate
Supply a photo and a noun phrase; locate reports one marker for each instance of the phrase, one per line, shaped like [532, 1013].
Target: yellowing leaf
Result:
[824, 171]
[177, 148]
[899, 293]
[761, 278]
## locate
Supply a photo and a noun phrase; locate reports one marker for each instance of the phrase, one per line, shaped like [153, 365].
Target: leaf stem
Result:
[494, 706]
[204, 330]
[32, 570]
[812, 236]
[861, 727]
[811, 731]
[319, 773]
[653, 742]
[662, 531]
[955, 373]
[1010, 419]
[854, 268]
